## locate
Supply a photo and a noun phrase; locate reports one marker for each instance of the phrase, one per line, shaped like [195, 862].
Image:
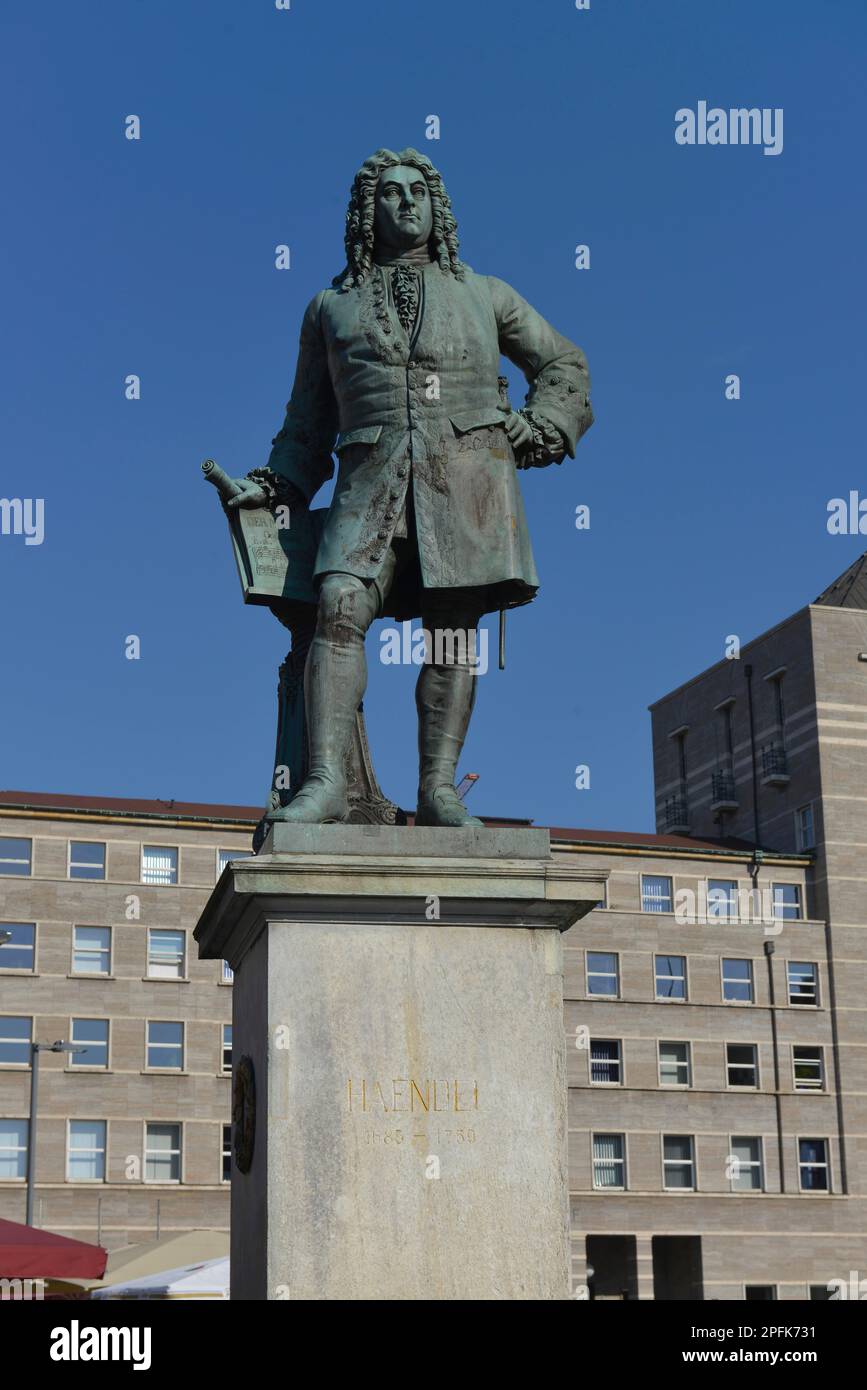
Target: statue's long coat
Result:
[426, 407]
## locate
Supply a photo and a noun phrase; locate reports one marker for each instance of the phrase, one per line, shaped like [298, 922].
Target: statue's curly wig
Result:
[360, 215]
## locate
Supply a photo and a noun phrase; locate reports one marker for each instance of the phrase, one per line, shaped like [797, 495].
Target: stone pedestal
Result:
[400, 1092]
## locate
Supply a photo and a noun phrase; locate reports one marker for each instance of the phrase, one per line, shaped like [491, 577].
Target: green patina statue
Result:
[398, 376]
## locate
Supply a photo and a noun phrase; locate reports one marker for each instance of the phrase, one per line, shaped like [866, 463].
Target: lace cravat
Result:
[405, 288]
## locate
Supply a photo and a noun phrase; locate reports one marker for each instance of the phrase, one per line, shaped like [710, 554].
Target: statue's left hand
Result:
[518, 429]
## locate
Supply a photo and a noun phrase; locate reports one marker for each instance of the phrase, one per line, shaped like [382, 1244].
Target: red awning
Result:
[27, 1253]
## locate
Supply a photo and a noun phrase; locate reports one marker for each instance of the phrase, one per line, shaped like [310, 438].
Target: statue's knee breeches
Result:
[347, 607]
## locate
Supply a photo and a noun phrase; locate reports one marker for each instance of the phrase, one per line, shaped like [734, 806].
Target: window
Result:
[678, 1162]
[821, 1293]
[91, 950]
[15, 856]
[805, 827]
[745, 1161]
[760, 1293]
[86, 859]
[670, 977]
[742, 1064]
[737, 980]
[722, 899]
[726, 714]
[605, 1062]
[85, 1154]
[808, 1067]
[16, 1034]
[13, 1149]
[609, 1162]
[90, 1034]
[803, 978]
[680, 743]
[162, 1153]
[19, 952]
[166, 954]
[159, 865]
[813, 1165]
[602, 973]
[656, 893]
[674, 1067]
[226, 1168]
[787, 901]
[779, 705]
[225, 856]
[228, 973]
[227, 1047]
[165, 1048]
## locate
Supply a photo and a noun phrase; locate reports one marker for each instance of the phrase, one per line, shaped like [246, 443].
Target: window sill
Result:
[166, 979]
[164, 1071]
[89, 975]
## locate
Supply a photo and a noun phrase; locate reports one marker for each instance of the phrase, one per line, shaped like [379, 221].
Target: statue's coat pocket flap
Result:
[467, 420]
[366, 434]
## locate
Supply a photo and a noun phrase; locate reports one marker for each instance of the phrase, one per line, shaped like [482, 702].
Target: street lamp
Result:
[35, 1049]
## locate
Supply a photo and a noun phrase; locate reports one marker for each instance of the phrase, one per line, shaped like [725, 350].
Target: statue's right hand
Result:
[250, 494]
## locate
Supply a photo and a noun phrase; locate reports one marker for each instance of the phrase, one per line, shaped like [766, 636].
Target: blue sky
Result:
[156, 257]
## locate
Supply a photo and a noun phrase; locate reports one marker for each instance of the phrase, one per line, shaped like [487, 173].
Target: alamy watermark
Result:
[21, 1290]
[444, 646]
[740, 125]
[23, 516]
[748, 906]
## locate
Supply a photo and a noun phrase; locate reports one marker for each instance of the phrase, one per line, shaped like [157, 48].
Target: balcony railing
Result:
[775, 765]
[723, 796]
[675, 816]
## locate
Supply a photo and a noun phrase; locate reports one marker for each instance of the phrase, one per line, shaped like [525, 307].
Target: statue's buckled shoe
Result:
[443, 806]
[319, 802]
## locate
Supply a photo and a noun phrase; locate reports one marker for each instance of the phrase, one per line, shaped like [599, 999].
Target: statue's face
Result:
[402, 217]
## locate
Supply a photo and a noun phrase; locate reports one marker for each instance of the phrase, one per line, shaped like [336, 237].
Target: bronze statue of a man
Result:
[398, 376]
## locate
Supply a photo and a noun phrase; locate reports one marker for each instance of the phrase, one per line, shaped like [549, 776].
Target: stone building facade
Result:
[98, 901]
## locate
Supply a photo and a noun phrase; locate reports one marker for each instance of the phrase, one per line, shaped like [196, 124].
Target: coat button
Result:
[412, 364]
[377, 557]
[402, 472]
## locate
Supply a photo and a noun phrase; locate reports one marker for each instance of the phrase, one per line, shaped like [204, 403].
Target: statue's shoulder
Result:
[313, 312]
[496, 286]
[500, 292]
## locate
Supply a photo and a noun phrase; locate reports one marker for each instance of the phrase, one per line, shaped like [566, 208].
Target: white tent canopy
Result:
[208, 1280]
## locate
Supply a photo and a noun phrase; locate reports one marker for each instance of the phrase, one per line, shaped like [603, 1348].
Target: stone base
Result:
[402, 1012]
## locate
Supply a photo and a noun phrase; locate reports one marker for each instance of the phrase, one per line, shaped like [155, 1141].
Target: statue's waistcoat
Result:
[423, 406]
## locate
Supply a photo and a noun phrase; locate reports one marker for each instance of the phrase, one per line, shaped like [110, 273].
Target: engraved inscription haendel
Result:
[403, 1095]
